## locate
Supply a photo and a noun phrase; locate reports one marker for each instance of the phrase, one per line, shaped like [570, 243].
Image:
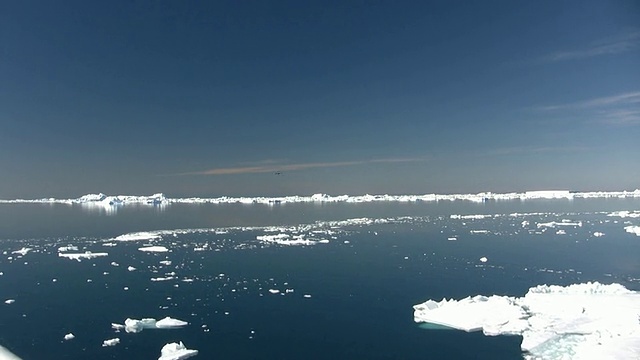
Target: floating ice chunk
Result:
[138, 236]
[7, 355]
[81, 256]
[163, 278]
[22, 251]
[598, 234]
[554, 321]
[285, 239]
[562, 223]
[69, 336]
[470, 217]
[483, 259]
[274, 291]
[633, 230]
[117, 327]
[135, 326]
[452, 238]
[111, 342]
[561, 232]
[67, 248]
[548, 194]
[165, 262]
[306, 295]
[625, 214]
[154, 249]
[176, 351]
[131, 268]
[9, 301]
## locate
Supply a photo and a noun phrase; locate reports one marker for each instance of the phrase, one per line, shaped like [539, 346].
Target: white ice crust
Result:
[153, 249]
[176, 351]
[580, 321]
[102, 200]
[136, 326]
[81, 256]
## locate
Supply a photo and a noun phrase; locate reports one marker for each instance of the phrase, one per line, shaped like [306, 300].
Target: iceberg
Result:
[588, 320]
[153, 249]
[80, 256]
[138, 236]
[176, 351]
[111, 342]
[136, 326]
[633, 230]
[69, 336]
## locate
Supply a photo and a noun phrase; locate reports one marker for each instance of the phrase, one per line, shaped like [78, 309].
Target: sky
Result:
[248, 98]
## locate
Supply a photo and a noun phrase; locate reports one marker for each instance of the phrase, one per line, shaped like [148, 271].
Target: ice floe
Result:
[154, 249]
[633, 229]
[176, 351]
[111, 342]
[9, 301]
[580, 321]
[81, 256]
[22, 251]
[138, 236]
[136, 326]
[69, 336]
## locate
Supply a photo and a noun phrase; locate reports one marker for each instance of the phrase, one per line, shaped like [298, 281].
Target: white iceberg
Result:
[81, 256]
[136, 326]
[69, 336]
[153, 249]
[581, 320]
[176, 351]
[633, 230]
[111, 342]
[138, 236]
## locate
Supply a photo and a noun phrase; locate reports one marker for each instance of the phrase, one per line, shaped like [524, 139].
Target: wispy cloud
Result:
[620, 109]
[532, 150]
[608, 46]
[270, 167]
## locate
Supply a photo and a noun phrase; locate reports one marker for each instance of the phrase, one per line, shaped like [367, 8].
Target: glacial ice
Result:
[633, 230]
[111, 342]
[136, 326]
[106, 201]
[176, 351]
[554, 321]
[153, 249]
[80, 256]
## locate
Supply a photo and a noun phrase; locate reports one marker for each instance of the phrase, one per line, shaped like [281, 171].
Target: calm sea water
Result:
[362, 283]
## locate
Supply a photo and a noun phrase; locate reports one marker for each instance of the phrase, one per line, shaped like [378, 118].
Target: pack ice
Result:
[135, 326]
[580, 321]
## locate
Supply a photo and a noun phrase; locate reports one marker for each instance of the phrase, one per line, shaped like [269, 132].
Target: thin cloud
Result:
[620, 109]
[267, 168]
[610, 46]
[532, 150]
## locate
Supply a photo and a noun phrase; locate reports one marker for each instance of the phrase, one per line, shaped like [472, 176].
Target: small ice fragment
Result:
[117, 327]
[483, 259]
[598, 234]
[131, 268]
[111, 342]
[453, 238]
[306, 295]
[80, 256]
[288, 291]
[274, 291]
[165, 262]
[176, 351]
[22, 251]
[9, 301]
[113, 263]
[69, 336]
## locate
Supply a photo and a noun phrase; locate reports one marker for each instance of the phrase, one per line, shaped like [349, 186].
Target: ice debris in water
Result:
[176, 351]
[9, 301]
[22, 251]
[633, 230]
[138, 236]
[111, 342]
[136, 326]
[81, 256]
[582, 321]
[154, 249]
[69, 336]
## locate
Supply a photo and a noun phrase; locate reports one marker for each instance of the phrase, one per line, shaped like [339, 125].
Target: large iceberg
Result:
[176, 351]
[580, 321]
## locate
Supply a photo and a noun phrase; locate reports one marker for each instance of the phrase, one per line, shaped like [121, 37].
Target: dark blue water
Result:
[363, 283]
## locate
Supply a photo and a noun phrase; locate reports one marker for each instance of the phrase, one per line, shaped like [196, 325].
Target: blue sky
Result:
[213, 98]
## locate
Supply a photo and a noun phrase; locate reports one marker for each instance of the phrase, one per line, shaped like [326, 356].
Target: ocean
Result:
[295, 280]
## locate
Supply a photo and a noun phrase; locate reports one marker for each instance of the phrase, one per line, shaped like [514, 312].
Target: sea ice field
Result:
[535, 275]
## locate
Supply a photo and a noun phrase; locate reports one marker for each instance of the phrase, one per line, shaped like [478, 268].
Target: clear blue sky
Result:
[214, 97]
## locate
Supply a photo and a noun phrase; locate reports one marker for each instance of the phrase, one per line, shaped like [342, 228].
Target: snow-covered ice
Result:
[176, 351]
[135, 326]
[154, 249]
[111, 342]
[81, 256]
[588, 320]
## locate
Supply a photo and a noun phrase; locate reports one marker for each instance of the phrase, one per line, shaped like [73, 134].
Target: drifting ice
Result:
[584, 321]
[135, 326]
[176, 351]
[80, 256]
